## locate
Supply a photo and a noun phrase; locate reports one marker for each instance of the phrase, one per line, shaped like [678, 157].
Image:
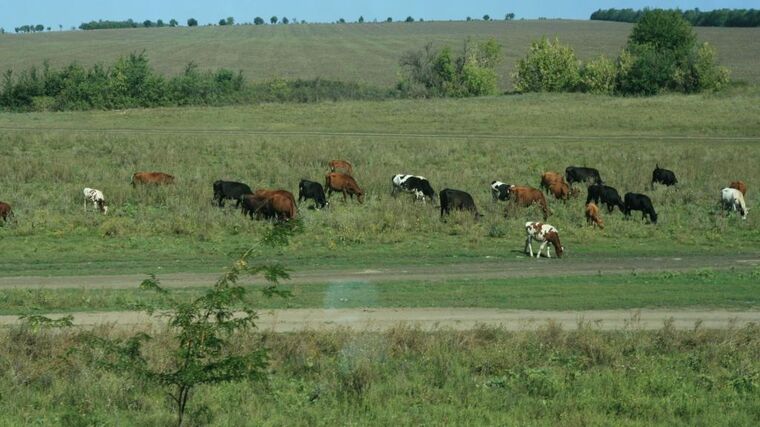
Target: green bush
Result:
[548, 67]
[701, 71]
[438, 72]
[598, 76]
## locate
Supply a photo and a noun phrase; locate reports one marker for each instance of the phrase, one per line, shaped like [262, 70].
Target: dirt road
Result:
[485, 269]
[289, 320]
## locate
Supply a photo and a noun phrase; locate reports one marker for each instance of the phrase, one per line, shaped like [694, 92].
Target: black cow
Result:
[608, 195]
[417, 185]
[499, 190]
[663, 176]
[312, 190]
[230, 190]
[582, 174]
[459, 200]
[640, 202]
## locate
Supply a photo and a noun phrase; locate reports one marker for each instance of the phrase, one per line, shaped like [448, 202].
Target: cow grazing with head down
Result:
[739, 185]
[342, 183]
[419, 186]
[525, 196]
[270, 204]
[152, 178]
[547, 178]
[499, 190]
[732, 199]
[341, 164]
[607, 195]
[545, 234]
[6, 212]
[582, 174]
[457, 200]
[96, 198]
[312, 190]
[230, 190]
[663, 176]
[639, 202]
[592, 216]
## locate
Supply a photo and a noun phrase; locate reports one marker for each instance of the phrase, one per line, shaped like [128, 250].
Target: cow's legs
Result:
[528, 246]
[344, 196]
[540, 249]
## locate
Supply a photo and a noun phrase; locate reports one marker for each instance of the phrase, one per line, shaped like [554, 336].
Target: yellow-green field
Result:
[367, 53]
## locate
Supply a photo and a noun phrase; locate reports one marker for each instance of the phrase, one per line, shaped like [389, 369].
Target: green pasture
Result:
[366, 53]
[704, 289]
[465, 144]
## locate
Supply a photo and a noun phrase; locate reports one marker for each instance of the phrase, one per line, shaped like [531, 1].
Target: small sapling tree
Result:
[202, 330]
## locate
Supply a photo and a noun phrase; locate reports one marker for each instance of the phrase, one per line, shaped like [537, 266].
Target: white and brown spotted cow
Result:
[543, 233]
[96, 198]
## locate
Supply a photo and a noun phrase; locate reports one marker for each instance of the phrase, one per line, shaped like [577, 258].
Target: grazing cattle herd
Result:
[281, 205]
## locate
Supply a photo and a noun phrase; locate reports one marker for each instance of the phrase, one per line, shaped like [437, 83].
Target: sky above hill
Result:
[52, 13]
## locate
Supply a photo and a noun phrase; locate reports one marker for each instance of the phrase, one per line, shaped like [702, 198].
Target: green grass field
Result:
[462, 144]
[367, 53]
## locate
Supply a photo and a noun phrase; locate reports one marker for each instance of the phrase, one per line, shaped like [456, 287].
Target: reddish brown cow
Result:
[5, 211]
[152, 178]
[550, 177]
[739, 185]
[341, 164]
[562, 191]
[592, 215]
[526, 196]
[342, 183]
[278, 204]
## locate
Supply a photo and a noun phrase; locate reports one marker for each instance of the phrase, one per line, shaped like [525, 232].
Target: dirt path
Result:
[449, 318]
[488, 269]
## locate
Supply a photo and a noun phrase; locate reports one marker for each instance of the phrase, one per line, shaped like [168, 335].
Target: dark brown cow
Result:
[152, 178]
[526, 196]
[278, 204]
[341, 164]
[739, 185]
[342, 183]
[5, 211]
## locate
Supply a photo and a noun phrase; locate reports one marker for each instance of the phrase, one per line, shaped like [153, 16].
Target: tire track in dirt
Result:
[380, 319]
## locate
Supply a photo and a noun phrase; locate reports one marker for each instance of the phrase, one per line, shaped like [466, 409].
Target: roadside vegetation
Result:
[408, 376]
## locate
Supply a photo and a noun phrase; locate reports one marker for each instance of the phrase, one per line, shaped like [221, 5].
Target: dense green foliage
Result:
[439, 72]
[131, 82]
[662, 54]
[406, 376]
[548, 67]
[712, 18]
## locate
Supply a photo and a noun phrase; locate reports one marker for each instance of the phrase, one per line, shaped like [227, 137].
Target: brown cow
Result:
[278, 204]
[526, 196]
[739, 185]
[5, 211]
[562, 191]
[152, 178]
[548, 178]
[341, 164]
[342, 183]
[592, 215]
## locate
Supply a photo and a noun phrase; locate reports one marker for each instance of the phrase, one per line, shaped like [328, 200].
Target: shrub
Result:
[438, 72]
[701, 71]
[598, 76]
[548, 67]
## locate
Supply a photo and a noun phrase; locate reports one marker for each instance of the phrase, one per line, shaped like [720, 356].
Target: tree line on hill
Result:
[662, 55]
[712, 18]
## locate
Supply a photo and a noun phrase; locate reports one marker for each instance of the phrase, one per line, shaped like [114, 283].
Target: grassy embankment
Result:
[409, 377]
